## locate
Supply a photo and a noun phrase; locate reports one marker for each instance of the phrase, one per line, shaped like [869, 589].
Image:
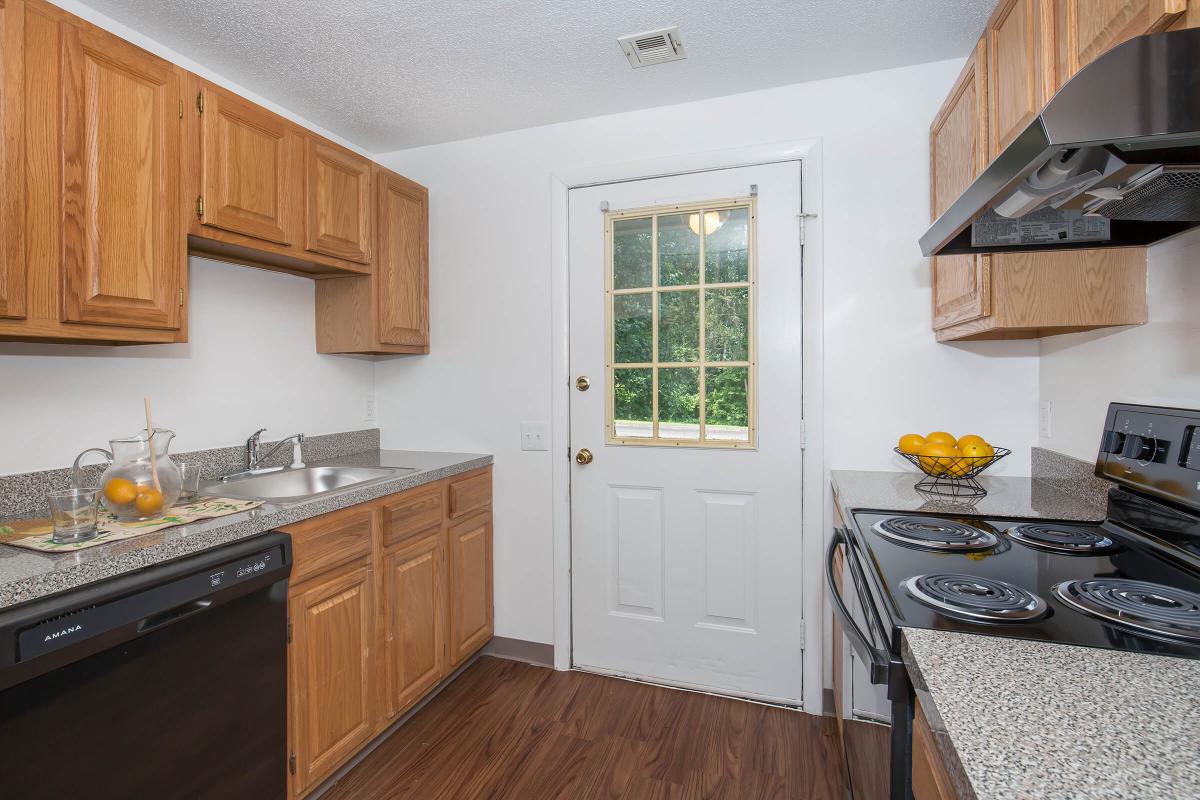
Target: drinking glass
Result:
[190, 488]
[73, 514]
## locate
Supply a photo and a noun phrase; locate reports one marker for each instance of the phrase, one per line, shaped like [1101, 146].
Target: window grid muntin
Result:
[750, 365]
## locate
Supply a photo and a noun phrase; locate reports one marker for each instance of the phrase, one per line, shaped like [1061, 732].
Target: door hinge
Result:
[804, 218]
[802, 633]
[200, 206]
[292, 762]
[289, 631]
[803, 434]
[181, 297]
[200, 103]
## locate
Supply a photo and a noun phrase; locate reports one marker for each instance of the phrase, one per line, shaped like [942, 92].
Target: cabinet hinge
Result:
[292, 763]
[289, 631]
[181, 109]
[181, 297]
[200, 206]
[200, 103]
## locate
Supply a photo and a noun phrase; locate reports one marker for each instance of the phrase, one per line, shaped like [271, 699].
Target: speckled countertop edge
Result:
[1015, 718]
[27, 575]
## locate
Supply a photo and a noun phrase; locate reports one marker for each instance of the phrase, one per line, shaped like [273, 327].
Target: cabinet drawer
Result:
[411, 513]
[326, 542]
[470, 494]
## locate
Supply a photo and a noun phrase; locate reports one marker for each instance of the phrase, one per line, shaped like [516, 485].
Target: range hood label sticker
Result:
[1041, 227]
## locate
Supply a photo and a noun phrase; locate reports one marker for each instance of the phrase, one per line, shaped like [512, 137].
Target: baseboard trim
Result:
[536, 653]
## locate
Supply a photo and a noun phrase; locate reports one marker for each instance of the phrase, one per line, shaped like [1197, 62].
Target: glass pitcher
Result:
[127, 487]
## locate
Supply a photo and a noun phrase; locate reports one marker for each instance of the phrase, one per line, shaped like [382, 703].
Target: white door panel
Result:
[686, 559]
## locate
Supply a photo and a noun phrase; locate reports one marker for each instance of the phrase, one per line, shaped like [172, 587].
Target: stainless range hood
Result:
[1113, 160]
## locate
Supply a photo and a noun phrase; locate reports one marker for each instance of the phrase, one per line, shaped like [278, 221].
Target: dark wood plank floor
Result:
[511, 730]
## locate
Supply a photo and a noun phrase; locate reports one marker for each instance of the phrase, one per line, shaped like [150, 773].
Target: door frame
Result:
[814, 494]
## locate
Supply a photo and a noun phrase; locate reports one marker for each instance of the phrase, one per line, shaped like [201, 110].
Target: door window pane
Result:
[679, 326]
[633, 328]
[631, 253]
[679, 403]
[727, 247]
[678, 252]
[727, 404]
[727, 323]
[633, 403]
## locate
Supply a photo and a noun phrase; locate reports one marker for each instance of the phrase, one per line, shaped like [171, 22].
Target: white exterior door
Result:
[686, 524]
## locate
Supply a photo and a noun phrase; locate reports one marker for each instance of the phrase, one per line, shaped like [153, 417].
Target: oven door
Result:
[857, 621]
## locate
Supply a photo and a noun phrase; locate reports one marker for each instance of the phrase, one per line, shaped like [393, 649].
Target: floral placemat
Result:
[37, 534]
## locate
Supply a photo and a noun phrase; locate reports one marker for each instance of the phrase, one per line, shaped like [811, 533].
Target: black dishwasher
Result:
[170, 682]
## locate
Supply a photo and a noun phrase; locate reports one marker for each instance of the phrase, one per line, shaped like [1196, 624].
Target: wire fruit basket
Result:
[953, 476]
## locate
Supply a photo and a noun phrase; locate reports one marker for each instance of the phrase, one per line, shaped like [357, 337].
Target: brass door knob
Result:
[584, 456]
[582, 383]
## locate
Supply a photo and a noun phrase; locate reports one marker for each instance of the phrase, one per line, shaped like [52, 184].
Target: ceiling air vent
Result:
[652, 47]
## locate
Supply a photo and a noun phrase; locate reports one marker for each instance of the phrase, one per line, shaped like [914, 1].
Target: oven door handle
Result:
[876, 661]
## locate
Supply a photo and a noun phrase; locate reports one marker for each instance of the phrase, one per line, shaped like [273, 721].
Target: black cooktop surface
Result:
[1066, 582]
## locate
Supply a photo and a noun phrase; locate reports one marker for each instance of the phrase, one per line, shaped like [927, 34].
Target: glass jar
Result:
[128, 488]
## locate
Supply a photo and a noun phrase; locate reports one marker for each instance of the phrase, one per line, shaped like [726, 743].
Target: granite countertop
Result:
[1006, 497]
[1041, 721]
[27, 575]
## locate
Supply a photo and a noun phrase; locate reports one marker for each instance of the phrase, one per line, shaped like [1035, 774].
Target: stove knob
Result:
[1114, 442]
[1140, 448]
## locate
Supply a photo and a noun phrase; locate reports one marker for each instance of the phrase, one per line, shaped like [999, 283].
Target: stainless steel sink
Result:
[293, 485]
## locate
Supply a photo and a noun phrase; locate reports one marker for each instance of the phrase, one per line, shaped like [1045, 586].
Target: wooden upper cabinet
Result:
[330, 668]
[1085, 29]
[415, 619]
[1020, 72]
[124, 252]
[470, 543]
[12, 139]
[402, 263]
[246, 162]
[957, 154]
[337, 193]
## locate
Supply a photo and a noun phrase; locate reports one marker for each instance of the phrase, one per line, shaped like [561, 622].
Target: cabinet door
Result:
[470, 543]
[337, 190]
[415, 591]
[402, 261]
[12, 185]
[330, 659]
[1020, 73]
[957, 153]
[124, 251]
[245, 167]
[1086, 28]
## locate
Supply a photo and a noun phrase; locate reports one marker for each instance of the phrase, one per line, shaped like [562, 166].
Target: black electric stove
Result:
[1130, 582]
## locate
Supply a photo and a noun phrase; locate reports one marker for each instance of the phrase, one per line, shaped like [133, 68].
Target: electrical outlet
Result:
[369, 408]
[535, 436]
[1044, 419]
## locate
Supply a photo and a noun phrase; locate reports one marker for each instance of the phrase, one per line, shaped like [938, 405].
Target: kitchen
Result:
[249, 348]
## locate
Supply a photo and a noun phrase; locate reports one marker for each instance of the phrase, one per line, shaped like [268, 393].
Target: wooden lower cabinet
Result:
[386, 599]
[930, 779]
[330, 669]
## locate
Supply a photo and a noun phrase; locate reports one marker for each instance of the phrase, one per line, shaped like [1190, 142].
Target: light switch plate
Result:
[369, 408]
[535, 436]
[1044, 419]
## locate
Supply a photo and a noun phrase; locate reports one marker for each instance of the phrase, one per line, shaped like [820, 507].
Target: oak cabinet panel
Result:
[930, 778]
[1086, 29]
[324, 542]
[337, 194]
[1019, 73]
[415, 620]
[402, 264]
[470, 544]
[246, 167]
[124, 251]
[330, 659]
[411, 513]
[12, 153]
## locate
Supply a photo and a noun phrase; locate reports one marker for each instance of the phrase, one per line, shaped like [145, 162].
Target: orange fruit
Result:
[969, 439]
[120, 491]
[911, 442]
[979, 450]
[941, 437]
[149, 500]
[960, 467]
[936, 458]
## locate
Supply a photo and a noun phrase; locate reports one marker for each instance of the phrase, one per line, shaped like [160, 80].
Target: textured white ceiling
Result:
[390, 74]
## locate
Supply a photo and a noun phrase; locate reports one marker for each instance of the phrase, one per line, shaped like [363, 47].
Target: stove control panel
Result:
[1154, 450]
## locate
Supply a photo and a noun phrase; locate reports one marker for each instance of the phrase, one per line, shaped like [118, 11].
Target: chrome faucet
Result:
[254, 456]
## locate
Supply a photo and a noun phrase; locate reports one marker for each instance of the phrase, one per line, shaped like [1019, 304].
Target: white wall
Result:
[491, 308]
[1157, 363]
[251, 362]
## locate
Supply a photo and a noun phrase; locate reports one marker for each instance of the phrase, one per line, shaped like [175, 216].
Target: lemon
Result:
[911, 443]
[120, 491]
[941, 437]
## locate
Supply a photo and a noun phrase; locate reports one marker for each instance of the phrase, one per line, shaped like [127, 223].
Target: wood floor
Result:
[510, 730]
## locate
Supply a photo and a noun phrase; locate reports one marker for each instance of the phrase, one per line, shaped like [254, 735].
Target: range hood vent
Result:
[1113, 160]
